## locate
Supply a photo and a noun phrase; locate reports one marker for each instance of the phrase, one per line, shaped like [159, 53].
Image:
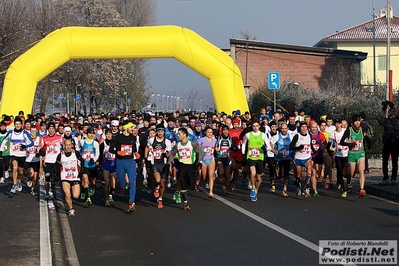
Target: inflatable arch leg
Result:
[70, 43]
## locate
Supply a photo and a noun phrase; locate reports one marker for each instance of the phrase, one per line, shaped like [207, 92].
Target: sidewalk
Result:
[375, 177]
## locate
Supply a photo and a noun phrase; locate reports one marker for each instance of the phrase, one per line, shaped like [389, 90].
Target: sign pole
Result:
[274, 100]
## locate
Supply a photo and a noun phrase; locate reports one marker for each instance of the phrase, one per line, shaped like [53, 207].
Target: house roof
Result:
[316, 51]
[364, 32]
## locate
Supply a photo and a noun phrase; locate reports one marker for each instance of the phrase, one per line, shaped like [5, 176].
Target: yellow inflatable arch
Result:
[70, 43]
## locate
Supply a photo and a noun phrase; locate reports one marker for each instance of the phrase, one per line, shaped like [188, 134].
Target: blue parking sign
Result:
[274, 80]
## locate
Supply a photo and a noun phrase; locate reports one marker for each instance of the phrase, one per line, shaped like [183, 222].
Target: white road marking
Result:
[265, 222]
[72, 256]
[45, 243]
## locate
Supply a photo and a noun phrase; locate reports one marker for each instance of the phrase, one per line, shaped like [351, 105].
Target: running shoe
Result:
[273, 188]
[145, 182]
[186, 206]
[362, 193]
[325, 184]
[2, 180]
[156, 193]
[384, 182]
[19, 186]
[47, 196]
[207, 185]
[339, 187]
[160, 205]
[6, 174]
[196, 189]
[175, 195]
[344, 194]
[168, 184]
[224, 191]
[284, 194]
[307, 192]
[110, 199]
[82, 196]
[14, 188]
[107, 203]
[178, 199]
[298, 189]
[393, 183]
[92, 191]
[210, 195]
[249, 184]
[232, 187]
[29, 183]
[254, 198]
[315, 193]
[32, 192]
[50, 204]
[132, 207]
[174, 181]
[88, 201]
[71, 212]
[252, 193]
[350, 188]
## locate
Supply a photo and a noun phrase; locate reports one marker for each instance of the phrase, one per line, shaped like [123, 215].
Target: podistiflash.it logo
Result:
[358, 252]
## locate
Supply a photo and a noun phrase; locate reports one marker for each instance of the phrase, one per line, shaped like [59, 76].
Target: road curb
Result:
[379, 192]
[56, 236]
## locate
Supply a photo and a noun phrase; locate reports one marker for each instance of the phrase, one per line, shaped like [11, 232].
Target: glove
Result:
[145, 182]
[37, 155]
[121, 153]
[163, 155]
[23, 146]
[351, 145]
[137, 155]
[301, 147]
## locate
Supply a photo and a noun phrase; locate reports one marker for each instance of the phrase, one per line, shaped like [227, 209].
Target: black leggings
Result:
[340, 163]
[187, 176]
[4, 164]
[392, 150]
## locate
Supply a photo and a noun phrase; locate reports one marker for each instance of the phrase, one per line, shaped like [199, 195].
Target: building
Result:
[307, 66]
[361, 38]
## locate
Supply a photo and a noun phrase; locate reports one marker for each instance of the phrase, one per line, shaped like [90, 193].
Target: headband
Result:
[130, 124]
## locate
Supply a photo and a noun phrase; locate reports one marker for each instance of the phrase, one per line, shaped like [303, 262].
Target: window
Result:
[382, 62]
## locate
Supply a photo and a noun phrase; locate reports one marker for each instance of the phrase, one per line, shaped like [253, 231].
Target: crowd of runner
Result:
[178, 151]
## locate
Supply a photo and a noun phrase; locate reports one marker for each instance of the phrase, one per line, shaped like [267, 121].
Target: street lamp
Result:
[158, 95]
[125, 93]
[163, 102]
[167, 102]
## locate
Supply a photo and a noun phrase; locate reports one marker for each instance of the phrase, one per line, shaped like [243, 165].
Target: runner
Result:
[224, 145]
[254, 146]
[236, 165]
[5, 155]
[270, 156]
[161, 150]
[188, 152]
[69, 164]
[90, 152]
[33, 160]
[280, 144]
[126, 146]
[51, 149]
[318, 146]
[353, 138]
[208, 144]
[341, 155]
[19, 140]
[303, 157]
[108, 164]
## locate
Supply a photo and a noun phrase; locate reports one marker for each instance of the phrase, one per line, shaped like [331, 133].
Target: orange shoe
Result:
[156, 193]
[362, 193]
[160, 205]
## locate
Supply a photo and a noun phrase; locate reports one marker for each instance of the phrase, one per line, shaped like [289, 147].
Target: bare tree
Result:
[136, 12]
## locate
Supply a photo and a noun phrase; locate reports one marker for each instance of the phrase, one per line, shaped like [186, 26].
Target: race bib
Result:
[254, 152]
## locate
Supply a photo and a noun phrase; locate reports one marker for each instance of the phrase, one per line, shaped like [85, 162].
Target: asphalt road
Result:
[225, 230]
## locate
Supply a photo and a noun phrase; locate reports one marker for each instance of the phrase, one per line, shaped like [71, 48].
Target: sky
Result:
[293, 22]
